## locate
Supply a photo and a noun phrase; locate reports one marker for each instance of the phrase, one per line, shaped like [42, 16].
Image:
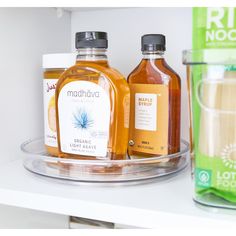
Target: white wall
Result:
[126, 26]
[25, 34]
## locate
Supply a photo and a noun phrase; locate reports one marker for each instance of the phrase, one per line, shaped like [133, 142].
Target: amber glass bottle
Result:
[155, 103]
[92, 104]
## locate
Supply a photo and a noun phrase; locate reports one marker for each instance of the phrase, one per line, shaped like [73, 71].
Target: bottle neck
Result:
[152, 55]
[91, 54]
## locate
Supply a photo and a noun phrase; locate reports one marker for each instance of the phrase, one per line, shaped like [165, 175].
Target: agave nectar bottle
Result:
[92, 104]
[155, 103]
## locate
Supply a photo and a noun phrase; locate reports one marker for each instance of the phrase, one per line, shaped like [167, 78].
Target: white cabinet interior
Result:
[27, 33]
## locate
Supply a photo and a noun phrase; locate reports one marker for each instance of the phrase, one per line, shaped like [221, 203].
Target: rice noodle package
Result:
[214, 27]
[211, 71]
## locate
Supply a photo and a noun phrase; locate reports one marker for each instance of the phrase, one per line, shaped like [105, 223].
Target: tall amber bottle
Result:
[155, 103]
[92, 104]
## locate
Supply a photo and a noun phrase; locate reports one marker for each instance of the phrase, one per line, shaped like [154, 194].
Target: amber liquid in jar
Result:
[152, 80]
[51, 77]
[54, 66]
[92, 68]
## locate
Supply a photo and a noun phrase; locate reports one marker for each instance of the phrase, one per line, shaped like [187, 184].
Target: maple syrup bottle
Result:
[155, 103]
[92, 104]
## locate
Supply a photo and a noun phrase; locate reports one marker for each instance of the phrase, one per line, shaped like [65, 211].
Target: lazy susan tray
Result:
[38, 161]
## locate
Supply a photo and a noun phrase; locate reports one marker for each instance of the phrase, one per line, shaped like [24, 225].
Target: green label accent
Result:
[203, 178]
[215, 175]
[214, 27]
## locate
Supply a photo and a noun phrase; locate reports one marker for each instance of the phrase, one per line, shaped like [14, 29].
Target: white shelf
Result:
[163, 203]
[89, 9]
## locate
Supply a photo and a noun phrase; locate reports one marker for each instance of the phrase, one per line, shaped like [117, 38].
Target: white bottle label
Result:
[84, 119]
[50, 134]
[146, 111]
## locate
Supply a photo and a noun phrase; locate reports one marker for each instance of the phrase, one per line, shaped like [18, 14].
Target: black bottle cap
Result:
[153, 42]
[91, 39]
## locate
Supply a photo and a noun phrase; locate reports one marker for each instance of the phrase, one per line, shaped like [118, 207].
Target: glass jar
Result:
[54, 65]
[211, 75]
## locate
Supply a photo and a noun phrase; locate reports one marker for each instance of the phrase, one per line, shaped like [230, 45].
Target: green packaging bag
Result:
[214, 27]
[214, 107]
